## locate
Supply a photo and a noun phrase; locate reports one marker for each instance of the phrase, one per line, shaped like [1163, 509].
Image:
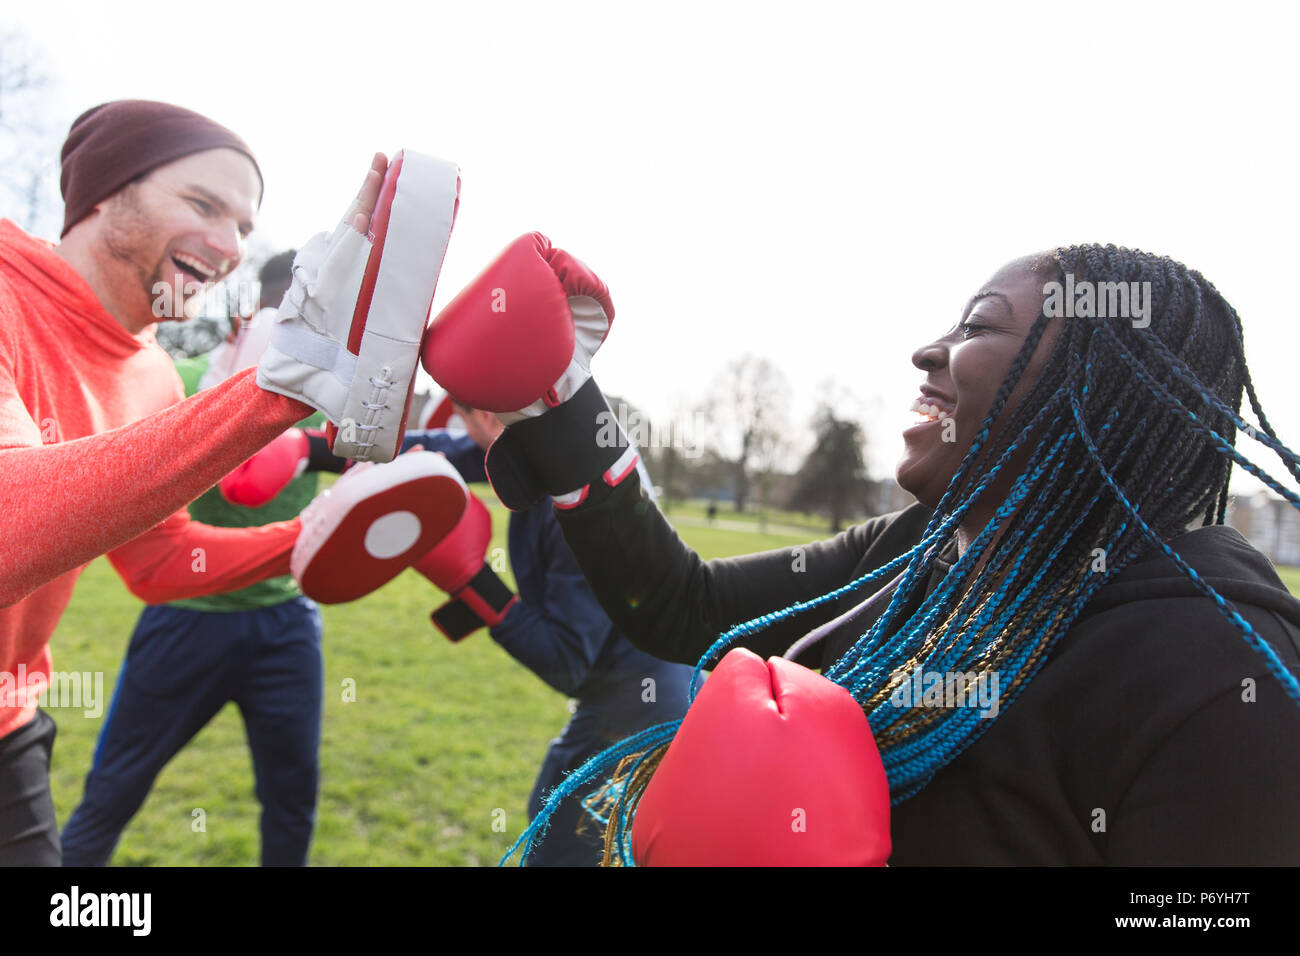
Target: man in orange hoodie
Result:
[98, 452]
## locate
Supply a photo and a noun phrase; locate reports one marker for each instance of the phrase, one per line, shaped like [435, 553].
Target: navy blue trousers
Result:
[181, 668]
[573, 838]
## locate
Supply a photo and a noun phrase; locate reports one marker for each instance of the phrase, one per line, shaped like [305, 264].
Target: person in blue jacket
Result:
[558, 630]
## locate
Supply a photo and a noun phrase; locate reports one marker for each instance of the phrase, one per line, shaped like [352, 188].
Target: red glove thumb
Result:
[774, 765]
[262, 477]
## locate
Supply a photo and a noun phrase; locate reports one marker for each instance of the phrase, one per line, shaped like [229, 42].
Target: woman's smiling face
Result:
[964, 370]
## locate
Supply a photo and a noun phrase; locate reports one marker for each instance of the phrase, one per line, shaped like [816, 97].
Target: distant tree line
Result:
[740, 450]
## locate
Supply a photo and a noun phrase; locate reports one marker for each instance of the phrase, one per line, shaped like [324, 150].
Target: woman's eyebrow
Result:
[989, 295]
[977, 298]
[980, 297]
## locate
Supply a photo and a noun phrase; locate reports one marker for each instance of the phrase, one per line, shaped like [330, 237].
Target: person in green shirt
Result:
[259, 647]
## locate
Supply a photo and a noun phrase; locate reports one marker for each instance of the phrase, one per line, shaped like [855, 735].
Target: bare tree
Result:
[674, 449]
[833, 478]
[747, 410]
[29, 138]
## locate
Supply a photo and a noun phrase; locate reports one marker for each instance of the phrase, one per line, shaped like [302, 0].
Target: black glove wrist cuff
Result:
[575, 452]
[320, 458]
[481, 603]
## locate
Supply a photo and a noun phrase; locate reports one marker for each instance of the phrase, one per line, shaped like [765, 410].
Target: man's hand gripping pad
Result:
[774, 765]
[347, 336]
[376, 521]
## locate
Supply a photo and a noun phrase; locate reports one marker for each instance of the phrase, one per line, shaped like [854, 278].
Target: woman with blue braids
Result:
[1133, 659]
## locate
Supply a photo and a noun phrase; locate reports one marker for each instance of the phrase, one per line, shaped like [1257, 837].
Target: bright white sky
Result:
[821, 184]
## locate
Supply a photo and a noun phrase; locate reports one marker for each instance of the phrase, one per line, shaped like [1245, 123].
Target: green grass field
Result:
[440, 739]
[1291, 578]
[695, 511]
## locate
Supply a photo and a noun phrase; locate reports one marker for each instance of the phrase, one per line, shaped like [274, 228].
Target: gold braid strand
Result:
[622, 792]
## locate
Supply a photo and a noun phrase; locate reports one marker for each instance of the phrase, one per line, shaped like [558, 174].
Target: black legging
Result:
[29, 832]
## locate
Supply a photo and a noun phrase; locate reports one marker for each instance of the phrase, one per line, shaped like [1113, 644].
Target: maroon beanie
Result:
[113, 143]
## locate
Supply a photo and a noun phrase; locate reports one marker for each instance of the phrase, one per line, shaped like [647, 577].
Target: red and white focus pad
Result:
[348, 332]
[773, 765]
[373, 523]
[409, 233]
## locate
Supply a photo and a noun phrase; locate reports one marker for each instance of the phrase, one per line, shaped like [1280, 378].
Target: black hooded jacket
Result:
[1153, 734]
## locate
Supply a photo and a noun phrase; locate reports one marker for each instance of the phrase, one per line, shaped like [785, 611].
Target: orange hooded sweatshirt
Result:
[99, 454]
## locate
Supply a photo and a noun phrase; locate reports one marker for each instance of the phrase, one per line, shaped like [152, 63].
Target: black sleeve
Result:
[320, 458]
[673, 605]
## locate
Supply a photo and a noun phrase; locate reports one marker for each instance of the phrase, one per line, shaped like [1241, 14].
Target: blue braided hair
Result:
[1127, 439]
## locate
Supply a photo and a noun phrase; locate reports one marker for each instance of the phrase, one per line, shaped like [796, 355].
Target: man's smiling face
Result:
[183, 226]
[964, 370]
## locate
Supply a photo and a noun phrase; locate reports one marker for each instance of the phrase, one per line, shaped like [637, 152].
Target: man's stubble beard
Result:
[126, 238]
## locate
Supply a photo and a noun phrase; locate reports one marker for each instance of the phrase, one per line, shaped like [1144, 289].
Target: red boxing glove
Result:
[457, 566]
[519, 338]
[518, 341]
[774, 765]
[265, 475]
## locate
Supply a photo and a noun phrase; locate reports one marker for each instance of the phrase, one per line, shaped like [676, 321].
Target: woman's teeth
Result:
[930, 411]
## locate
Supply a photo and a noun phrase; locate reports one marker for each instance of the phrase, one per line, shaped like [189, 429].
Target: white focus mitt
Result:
[347, 336]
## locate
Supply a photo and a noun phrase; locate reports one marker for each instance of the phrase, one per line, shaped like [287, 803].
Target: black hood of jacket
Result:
[1224, 560]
